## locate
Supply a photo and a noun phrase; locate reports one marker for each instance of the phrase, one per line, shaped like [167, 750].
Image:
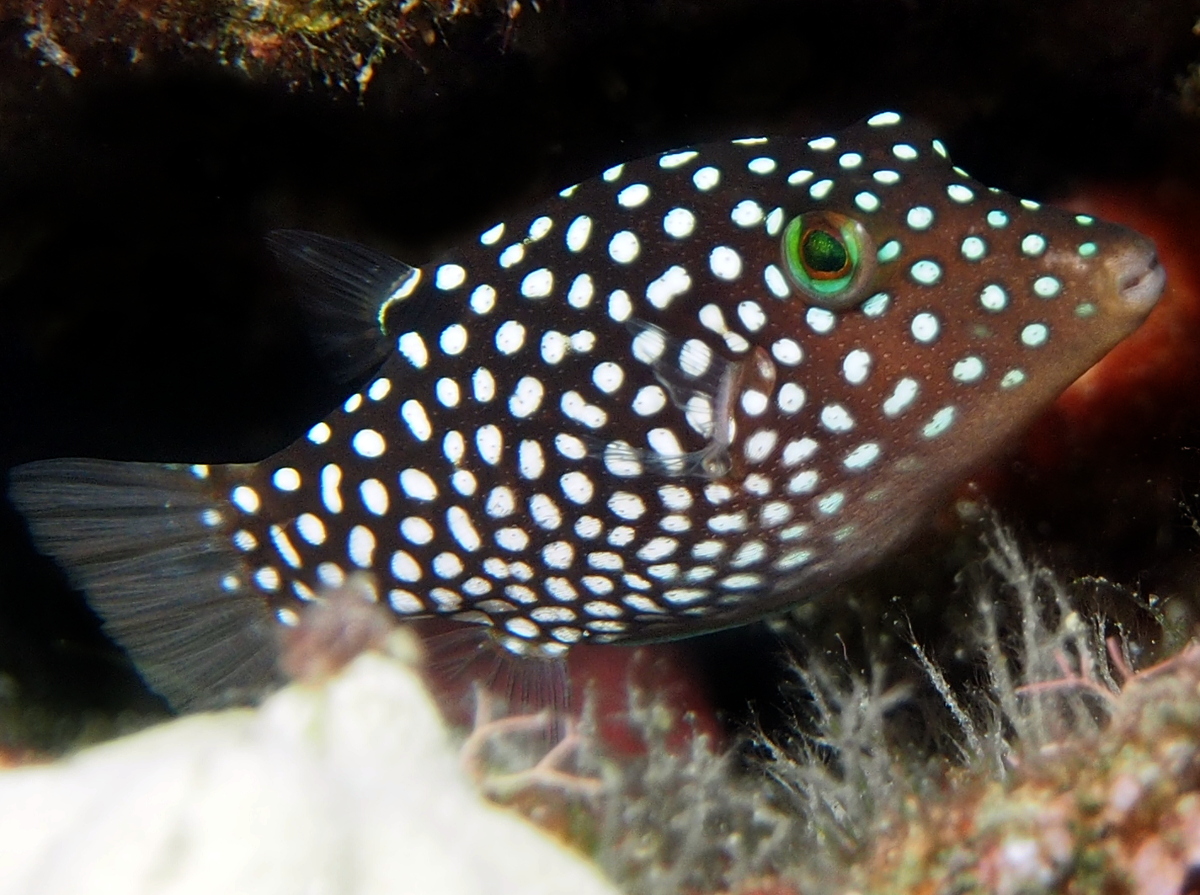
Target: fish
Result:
[689, 392]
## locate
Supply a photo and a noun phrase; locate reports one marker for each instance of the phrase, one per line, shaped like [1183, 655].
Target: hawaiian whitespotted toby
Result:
[690, 391]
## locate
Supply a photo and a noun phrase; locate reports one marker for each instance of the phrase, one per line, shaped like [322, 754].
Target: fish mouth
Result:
[1139, 276]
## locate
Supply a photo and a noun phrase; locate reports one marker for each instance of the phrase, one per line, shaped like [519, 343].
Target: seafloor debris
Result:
[337, 42]
[351, 786]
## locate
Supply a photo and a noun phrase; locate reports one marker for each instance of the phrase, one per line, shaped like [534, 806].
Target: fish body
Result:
[681, 395]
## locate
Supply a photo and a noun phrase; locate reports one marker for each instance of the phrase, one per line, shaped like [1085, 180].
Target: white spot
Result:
[993, 297]
[867, 201]
[570, 446]
[577, 487]
[581, 291]
[959, 193]
[623, 247]
[796, 452]
[320, 433]
[920, 217]
[448, 392]
[706, 178]
[374, 496]
[901, 398]
[527, 397]
[627, 505]
[856, 366]
[619, 306]
[608, 376]
[449, 276]
[453, 339]
[725, 263]
[775, 281]
[492, 235]
[904, 152]
[405, 602]
[752, 315]
[939, 422]
[883, 119]
[537, 284]
[512, 256]
[418, 485]
[544, 512]
[1033, 244]
[633, 195]
[850, 160]
[245, 498]
[413, 413]
[822, 144]
[820, 320]
[530, 459]
[512, 538]
[674, 282]
[311, 529]
[679, 223]
[412, 346]
[925, 327]
[483, 385]
[578, 233]
[760, 444]
[761, 165]
[650, 399]
[787, 351]
[699, 414]
[575, 407]
[675, 159]
[821, 189]
[836, 418]
[447, 565]
[695, 358]
[284, 546]
[876, 305]
[404, 567]
[464, 482]
[379, 389]
[798, 178]
[597, 584]
[554, 347]
[723, 522]
[500, 502]
[416, 530]
[973, 248]
[510, 337]
[831, 502]
[775, 222]
[286, 479]
[1046, 287]
[331, 483]
[775, 512]
[969, 369]
[245, 541]
[559, 555]
[352, 403]
[539, 228]
[657, 548]
[1035, 335]
[613, 173]
[462, 528]
[361, 546]
[862, 456]
[754, 402]
[267, 578]
[887, 177]
[926, 272]
[1012, 379]
[490, 443]
[648, 345]
[747, 213]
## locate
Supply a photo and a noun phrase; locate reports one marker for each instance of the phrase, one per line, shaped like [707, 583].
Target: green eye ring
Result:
[829, 257]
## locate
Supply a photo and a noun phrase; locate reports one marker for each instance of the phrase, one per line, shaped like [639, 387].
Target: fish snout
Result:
[1137, 275]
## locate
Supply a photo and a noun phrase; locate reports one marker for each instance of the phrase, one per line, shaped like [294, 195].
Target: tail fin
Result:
[147, 545]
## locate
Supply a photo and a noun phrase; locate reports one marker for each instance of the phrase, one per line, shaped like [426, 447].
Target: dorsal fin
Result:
[343, 288]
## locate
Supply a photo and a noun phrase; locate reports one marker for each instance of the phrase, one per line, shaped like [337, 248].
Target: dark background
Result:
[141, 317]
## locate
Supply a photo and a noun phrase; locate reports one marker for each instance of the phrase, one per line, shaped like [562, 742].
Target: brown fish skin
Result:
[676, 397]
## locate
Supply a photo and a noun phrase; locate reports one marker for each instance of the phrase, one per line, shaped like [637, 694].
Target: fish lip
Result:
[1140, 277]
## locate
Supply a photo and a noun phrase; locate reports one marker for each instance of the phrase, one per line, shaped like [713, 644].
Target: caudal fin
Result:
[147, 544]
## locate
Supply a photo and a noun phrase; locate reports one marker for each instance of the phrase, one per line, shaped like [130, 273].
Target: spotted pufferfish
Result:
[695, 389]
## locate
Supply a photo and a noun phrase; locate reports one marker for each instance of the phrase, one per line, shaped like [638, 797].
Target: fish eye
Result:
[829, 257]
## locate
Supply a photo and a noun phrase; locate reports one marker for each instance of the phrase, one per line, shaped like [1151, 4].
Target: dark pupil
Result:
[823, 252]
